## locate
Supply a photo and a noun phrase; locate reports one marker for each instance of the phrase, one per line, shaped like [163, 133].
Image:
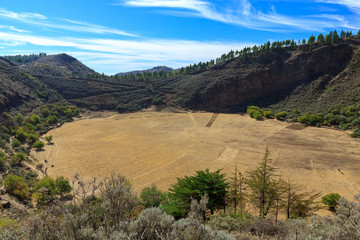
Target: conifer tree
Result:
[342, 34]
[236, 194]
[335, 37]
[320, 38]
[264, 188]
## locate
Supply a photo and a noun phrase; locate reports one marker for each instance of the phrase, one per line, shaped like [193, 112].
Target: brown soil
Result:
[158, 147]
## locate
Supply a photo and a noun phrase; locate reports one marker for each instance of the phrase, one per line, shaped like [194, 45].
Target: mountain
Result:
[308, 78]
[57, 65]
[154, 69]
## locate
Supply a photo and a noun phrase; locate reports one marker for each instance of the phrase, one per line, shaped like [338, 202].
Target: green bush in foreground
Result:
[152, 196]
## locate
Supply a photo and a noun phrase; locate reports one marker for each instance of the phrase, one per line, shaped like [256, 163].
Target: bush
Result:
[34, 119]
[152, 196]
[255, 114]
[16, 186]
[281, 116]
[311, 119]
[44, 190]
[229, 223]
[331, 200]
[38, 145]
[152, 223]
[2, 160]
[63, 185]
[21, 136]
[49, 138]
[18, 158]
[213, 184]
[296, 111]
[356, 133]
[52, 119]
[15, 143]
[32, 138]
[268, 114]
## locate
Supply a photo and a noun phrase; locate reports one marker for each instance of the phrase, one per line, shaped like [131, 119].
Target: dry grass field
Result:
[157, 147]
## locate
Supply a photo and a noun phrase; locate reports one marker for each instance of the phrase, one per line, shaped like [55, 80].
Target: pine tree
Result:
[264, 188]
[335, 37]
[236, 194]
[342, 34]
[320, 38]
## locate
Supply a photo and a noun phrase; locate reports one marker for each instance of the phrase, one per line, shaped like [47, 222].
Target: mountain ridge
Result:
[280, 79]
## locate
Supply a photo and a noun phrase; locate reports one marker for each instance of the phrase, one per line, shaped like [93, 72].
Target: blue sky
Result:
[113, 36]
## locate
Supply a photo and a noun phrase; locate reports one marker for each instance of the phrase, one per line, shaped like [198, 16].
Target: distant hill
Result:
[57, 65]
[154, 69]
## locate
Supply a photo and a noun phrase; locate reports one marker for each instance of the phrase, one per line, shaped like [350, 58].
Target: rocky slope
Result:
[299, 79]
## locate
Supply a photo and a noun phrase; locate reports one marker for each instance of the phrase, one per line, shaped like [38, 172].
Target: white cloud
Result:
[21, 16]
[112, 55]
[347, 3]
[12, 28]
[352, 5]
[246, 15]
[64, 24]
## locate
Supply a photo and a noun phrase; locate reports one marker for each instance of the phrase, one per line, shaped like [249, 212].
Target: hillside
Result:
[18, 90]
[310, 79]
[151, 70]
[281, 80]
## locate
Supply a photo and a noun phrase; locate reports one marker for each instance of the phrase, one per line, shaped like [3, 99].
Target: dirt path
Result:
[158, 147]
[212, 119]
[33, 168]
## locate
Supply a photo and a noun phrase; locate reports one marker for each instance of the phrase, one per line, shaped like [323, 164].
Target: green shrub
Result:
[254, 112]
[121, 108]
[38, 145]
[2, 160]
[311, 119]
[63, 185]
[295, 111]
[52, 119]
[281, 116]
[16, 186]
[268, 114]
[335, 119]
[356, 123]
[32, 138]
[331, 200]
[19, 119]
[34, 119]
[15, 143]
[49, 138]
[18, 158]
[249, 108]
[257, 115]
[152, 196]
[356, 133]
[21, 136]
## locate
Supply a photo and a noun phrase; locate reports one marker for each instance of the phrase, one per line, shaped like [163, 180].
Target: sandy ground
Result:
[158, 147]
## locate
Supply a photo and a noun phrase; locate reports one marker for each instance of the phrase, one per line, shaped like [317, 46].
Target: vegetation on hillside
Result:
[24, 58]
[339, 116]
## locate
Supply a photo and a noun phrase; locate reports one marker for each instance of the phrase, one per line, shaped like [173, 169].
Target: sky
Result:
[112, 36]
